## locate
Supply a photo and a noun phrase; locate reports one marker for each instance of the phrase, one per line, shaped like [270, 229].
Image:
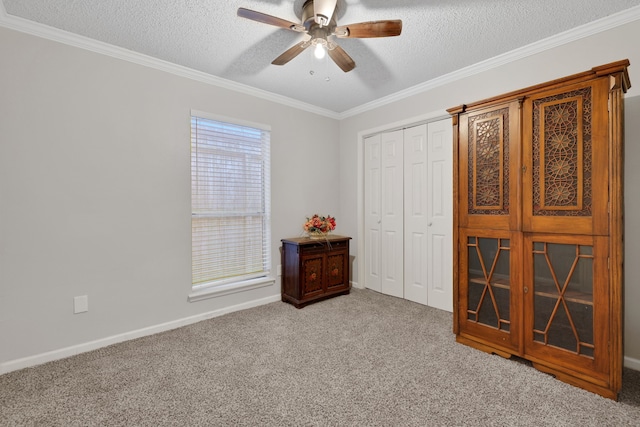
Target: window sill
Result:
[230, 288]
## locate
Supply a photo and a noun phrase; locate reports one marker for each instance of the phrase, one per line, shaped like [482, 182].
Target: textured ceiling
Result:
[438, 37]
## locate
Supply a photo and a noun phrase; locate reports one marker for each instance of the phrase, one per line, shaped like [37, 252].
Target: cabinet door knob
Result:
[526, 289]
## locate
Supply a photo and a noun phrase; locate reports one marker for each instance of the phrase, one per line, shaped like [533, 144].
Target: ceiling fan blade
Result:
[268, 19]
[323, 11]
[387, 28]
[291, 53]
[342, 59]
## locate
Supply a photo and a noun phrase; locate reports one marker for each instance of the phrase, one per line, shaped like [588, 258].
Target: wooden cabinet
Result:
[538, 226]
[314, 269]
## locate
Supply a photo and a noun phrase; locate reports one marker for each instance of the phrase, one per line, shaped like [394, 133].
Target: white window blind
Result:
[230, 202]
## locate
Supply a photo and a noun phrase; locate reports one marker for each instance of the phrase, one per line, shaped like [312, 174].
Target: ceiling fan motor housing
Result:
[309, 18]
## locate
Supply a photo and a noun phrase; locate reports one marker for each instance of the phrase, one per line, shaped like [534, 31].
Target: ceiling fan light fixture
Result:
[319, 51]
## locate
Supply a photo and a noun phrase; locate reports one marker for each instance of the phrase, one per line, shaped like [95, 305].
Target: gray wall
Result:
[632, 227]
[95, 192]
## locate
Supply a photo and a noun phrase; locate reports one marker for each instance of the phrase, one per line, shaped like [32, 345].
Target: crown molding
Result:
[577, 33]
[71, 39]
[86, 43]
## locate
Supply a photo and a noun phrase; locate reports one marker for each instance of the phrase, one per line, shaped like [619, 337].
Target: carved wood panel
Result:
[562, 154]
[489, 163]
[335, 270]
[312, 270]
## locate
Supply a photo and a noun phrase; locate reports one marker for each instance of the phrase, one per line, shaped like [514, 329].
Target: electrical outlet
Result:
[80, 304]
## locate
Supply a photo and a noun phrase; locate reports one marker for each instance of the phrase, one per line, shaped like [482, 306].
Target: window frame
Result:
[215, 288]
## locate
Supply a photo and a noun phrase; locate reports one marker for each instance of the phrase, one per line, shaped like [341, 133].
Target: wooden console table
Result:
[313, 270]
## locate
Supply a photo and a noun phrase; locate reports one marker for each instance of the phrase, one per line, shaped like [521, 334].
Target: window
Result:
[230, 205]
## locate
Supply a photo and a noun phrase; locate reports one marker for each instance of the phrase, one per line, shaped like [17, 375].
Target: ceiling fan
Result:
[319, 24]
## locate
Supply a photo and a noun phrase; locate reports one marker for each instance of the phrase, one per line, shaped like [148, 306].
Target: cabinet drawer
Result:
[323, 246]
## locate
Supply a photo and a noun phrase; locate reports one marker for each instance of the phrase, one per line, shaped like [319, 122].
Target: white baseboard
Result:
[632, 363]
[38, 359]
[356, 285]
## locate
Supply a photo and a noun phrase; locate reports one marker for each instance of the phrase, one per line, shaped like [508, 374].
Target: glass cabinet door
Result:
[563, 300]
[487, 286]
[489, 282]
[563, 296]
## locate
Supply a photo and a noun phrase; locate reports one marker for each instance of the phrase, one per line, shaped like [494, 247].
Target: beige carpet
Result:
[358, 360]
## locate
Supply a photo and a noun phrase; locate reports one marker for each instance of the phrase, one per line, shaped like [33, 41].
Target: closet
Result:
[408, 213]
[538, 226]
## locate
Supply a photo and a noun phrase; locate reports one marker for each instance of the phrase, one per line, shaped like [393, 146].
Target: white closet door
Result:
[408, 189]
[415, 214]
[372, 214]
[440, 215]
[391, 245]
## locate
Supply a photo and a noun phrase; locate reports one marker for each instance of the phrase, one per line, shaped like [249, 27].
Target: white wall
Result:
[609, 46]
[95, 192]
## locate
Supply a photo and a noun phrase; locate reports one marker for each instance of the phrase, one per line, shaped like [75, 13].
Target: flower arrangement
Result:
[319, 224]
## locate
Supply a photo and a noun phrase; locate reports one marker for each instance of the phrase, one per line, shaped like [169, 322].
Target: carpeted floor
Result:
[358, 360]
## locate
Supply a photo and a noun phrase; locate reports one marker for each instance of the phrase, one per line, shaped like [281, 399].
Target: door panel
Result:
[313, 276]
[392, 225]
[440, 215]
[408, 214]
[372, 215]
[337, 268]
[565, 180]
[488, 178]
[489, 287]
[565, 297]
[415, 214]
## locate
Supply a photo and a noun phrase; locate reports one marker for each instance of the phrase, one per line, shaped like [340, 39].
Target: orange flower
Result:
[317, 223]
